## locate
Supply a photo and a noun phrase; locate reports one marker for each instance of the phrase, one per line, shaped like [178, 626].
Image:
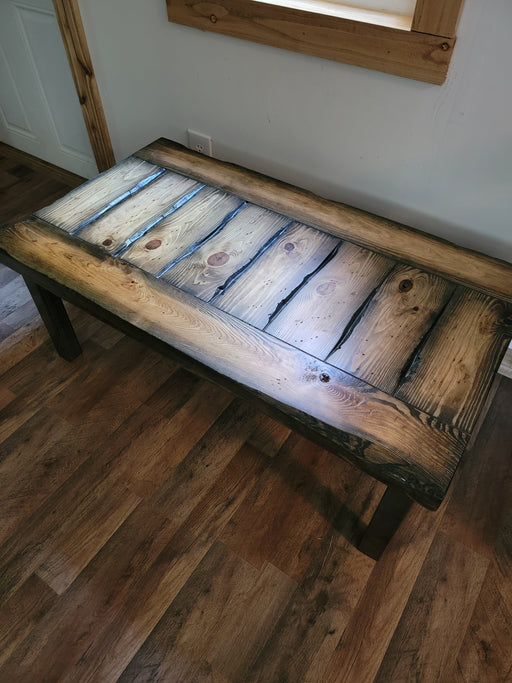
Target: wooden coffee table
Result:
[376, 341]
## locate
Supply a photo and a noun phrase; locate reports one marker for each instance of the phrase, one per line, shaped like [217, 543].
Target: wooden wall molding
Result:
[73, 35]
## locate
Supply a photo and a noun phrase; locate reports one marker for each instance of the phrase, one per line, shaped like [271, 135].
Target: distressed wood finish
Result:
[451, 373]
[259, 291]
[92, 198]
[173, 236]
[380, 433]
[132, 217]
[386, 237]
[209, 268]
[316, 317]
[322, 331]
[387, 331]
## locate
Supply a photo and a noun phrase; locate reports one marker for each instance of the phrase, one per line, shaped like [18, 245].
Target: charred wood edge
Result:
[221, 289]
[309, 276]
[360, 312]
[413, 479]
[413, 362]
[390, 513]
[490, 275]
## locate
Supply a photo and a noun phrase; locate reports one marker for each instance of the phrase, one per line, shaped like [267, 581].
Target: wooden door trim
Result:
[73, 35]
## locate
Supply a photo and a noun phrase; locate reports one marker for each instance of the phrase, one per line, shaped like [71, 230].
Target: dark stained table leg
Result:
[54, 315]
[388, 516]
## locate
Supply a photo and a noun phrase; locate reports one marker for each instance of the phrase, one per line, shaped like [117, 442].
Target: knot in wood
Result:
[326, 288]
[153, 244]
[289, 246]
[445, 47]
[213, 18]
[405, 285]
[324, 377]
[107, 242]
[218, 259]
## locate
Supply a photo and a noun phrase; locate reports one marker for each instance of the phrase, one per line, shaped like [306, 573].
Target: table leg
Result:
[54, 315]
[388, 516]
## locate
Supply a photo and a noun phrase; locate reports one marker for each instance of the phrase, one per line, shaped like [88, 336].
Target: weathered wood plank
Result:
[208, 268]
[192, 223]
[93, 197]
[317, 315]
[386, 436]
[461, 265]
[391, 326]
[451, 374]
[257, 293]
[116, 228]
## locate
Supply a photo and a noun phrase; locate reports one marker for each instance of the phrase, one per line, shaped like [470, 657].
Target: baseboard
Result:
[506, 364]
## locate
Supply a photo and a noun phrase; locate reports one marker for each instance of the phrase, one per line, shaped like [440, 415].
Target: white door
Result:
[39, 109]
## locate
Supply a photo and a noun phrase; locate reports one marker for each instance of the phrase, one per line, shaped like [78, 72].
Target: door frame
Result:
[71, 28]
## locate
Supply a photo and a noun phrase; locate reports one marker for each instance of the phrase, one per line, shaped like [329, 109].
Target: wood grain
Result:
[258, 292]
[392, 239]
[124, 610]
[317, 315]
[453, 371]
[416, 449]
[88, 200]
[393, 323]
[451, 572]
[323, 34]
[189, 226]
[208, 268]
[439, 17]
[77, 50]
[117, 227]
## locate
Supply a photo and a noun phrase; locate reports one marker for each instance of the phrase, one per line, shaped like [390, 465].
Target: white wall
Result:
[435, 157]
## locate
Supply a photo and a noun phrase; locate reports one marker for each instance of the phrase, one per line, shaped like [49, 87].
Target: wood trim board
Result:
[75, 43]
[411, 54]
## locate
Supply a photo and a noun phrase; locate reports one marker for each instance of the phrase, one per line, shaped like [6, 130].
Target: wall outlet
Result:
[200, 142]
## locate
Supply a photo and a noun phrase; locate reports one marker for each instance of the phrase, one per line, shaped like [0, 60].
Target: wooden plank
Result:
[438, 17]
[258, 292]
[209, 267]
[387, 438]
[95, 196]
[451, 575]
[77, 50]
[191, 224]
[412, 246]
[316, 317]
[321, 33]
[451, 374]
[117, 227]
[391, 326]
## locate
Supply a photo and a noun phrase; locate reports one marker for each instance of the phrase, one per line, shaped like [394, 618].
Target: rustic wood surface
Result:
[382, 339]
[90, 199]
[417, 248]
[316, 317]
[369, 327]
[259, 291]
[198, 584]
[378, 431]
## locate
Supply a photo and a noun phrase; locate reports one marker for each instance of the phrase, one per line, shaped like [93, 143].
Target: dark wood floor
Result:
[154, 528]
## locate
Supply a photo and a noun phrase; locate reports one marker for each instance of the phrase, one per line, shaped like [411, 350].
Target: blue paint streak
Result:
[142, 184]
[196, 245]
[140, 233]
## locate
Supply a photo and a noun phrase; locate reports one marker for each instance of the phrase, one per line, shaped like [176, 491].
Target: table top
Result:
[381, 339]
